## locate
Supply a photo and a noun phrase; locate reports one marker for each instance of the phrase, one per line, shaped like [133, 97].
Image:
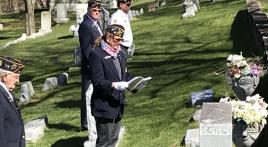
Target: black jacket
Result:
[88, 33]
[11, 124]
[106, 101]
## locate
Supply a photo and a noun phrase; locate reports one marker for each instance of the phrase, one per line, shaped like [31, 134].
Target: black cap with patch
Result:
[10, 64]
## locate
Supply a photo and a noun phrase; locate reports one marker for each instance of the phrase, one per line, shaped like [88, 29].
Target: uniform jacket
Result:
[106, 101]
[88, 33]
[11, 124]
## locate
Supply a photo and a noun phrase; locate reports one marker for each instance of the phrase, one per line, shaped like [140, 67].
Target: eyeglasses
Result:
[95, 10]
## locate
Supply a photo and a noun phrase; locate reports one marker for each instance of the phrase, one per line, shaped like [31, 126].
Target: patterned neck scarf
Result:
[110, 50]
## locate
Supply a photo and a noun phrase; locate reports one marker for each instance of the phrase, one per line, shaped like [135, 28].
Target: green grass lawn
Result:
[180, 55]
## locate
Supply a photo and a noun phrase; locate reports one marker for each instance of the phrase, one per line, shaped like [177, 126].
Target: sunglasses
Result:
[128, 4]
[95, 10]
[117, 39]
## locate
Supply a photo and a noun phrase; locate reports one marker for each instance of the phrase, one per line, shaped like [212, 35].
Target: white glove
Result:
[120, 85]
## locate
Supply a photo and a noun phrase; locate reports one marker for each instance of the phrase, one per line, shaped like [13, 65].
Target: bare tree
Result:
[30, 23]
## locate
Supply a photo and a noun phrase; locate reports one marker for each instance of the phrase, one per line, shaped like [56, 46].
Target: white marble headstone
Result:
[46, 21]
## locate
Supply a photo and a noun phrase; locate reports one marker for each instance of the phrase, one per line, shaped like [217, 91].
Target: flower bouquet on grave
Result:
[244, 77]
[249, 117]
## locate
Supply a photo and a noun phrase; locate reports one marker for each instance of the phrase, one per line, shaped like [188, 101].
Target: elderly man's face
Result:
[95, 12]
[10, 80]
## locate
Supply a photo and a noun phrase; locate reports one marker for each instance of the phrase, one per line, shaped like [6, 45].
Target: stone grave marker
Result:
[113, 4]
[50, 83]
[137, 13]
[1, 27]
[46, 21]
[163, 3]
[81, 10]
[216, 125]
[61, 13]
[34, 129]
[63, 79]
[141, 11]
[27, 92]
[133, 13]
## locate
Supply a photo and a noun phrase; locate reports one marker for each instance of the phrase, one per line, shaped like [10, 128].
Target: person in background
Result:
[109, 78]
[121, 17]
[89, 31]
[11, 125]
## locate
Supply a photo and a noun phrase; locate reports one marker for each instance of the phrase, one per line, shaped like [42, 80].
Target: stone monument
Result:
[45, 21]
[216, 125]
[27, 92]
[61, 14]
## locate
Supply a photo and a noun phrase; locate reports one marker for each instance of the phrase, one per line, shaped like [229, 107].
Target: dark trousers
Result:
[107, 132]
[83, 107]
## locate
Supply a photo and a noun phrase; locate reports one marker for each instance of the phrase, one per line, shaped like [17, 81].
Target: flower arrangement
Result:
[238, 67]
[252, 111]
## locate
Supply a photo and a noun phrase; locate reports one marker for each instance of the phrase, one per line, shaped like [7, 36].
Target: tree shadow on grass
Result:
[68, 104]
[70, 142]
[66, 37]
[63, 126]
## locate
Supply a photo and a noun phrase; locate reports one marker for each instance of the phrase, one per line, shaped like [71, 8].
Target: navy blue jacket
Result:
[11, 124]
[88, 33]
[106, 101]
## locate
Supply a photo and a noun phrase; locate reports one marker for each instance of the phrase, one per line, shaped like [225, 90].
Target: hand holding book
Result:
[138, 83]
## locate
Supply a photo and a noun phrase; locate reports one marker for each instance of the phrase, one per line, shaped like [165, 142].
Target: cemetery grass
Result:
[181, 56]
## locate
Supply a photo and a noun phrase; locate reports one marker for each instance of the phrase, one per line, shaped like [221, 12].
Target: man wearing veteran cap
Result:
[11, 124]
[89, 31]
[109, 78]
[121, 17]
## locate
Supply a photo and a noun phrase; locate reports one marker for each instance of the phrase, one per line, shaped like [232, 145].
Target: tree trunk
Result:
[30, 23]
[16, 5]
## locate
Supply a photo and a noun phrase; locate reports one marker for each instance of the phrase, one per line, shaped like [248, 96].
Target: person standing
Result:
[89, 31]
[121, 17]
[109, 78]
[11, 125]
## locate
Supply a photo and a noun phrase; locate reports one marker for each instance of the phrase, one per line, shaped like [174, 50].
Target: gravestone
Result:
[61, 14]
[151, 7]
[137, 13]
[34, 129]
[163, 3]
[45, 21]
[141, 11]
[77, 56]
[50, 84]
[27, 92]
[133, 13]
[1, 27]
[216, 125]
[157, 3]
[192, 138]
[81, 10]
[113, 4]
[63, 79]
